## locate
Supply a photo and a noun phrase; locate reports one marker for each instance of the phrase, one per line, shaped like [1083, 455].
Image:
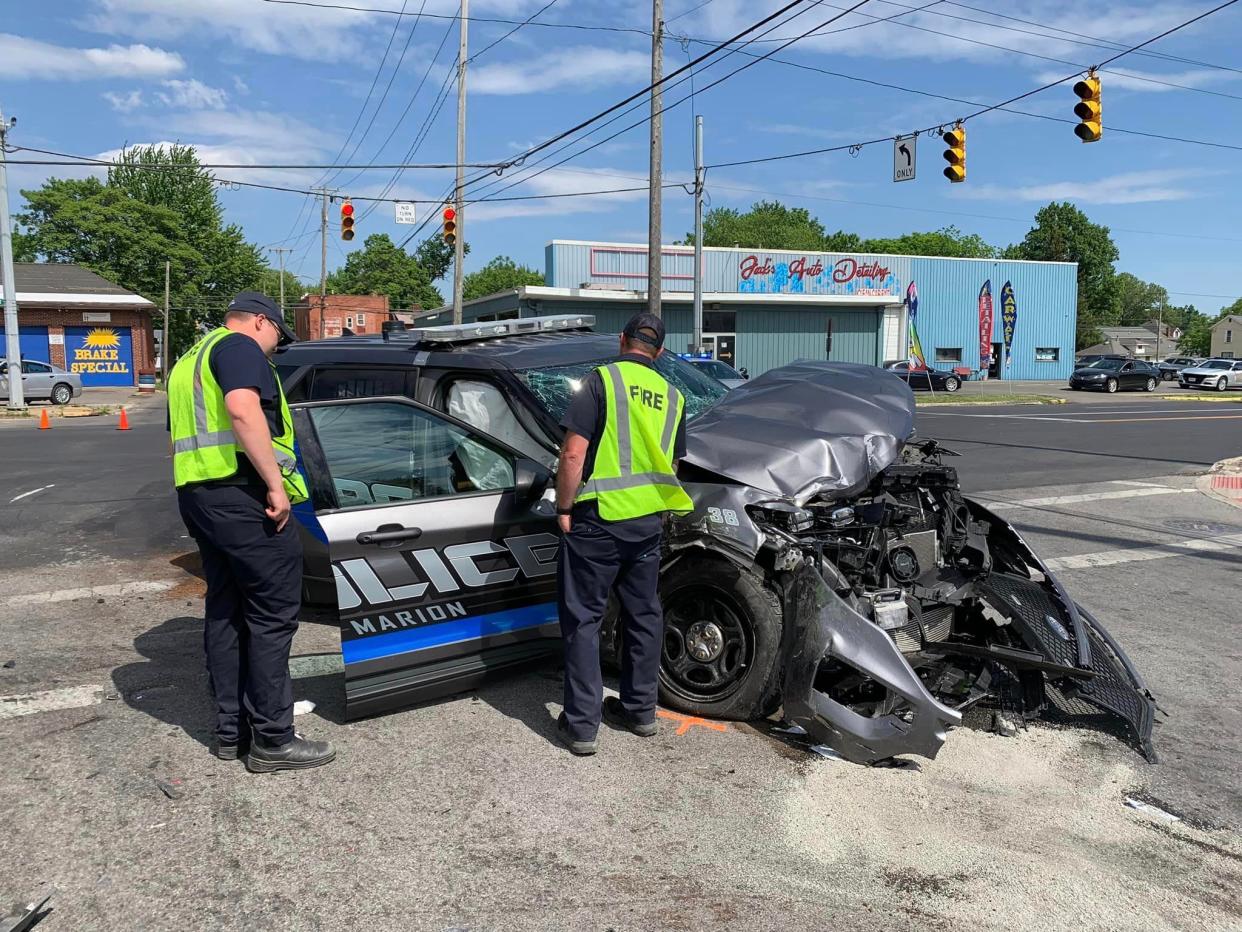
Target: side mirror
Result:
[530, 480]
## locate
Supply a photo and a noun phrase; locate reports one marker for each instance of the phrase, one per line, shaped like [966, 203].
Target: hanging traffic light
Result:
[955, 154]
[347, 220]
[450, 226]
[1089, 109]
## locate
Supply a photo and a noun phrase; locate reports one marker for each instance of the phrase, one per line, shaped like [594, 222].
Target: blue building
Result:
[765, 308]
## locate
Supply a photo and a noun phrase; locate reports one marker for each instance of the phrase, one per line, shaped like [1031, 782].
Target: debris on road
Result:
[25, 917]
[10, 664]
[303, 707]
[1151, 810]
[171, 788]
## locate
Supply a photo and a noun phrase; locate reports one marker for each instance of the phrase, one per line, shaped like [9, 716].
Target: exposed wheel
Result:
[1110, 386]
[722, 640]
[1151, 385]
[952, 384]
[62, 394]
[1222, 383]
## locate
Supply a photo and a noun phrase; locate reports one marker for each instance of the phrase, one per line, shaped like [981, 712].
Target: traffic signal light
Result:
[955, 154]
[347, 220]
[450, 226]
[1088, 109]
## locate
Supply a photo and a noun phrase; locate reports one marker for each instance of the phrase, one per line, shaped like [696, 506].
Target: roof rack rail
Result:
[490, 330]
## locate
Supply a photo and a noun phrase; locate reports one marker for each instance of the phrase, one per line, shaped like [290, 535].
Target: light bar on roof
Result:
[490, 330]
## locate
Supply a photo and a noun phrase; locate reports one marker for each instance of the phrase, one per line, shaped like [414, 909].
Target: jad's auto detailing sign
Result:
[101, 355]
[816, 273]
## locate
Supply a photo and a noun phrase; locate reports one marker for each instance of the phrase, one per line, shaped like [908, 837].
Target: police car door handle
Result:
[389, 533]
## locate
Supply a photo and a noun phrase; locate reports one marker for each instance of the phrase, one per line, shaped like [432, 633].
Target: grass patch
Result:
[1217, 397]
[926, 400]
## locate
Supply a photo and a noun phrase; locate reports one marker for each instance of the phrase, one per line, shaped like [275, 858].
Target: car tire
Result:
[742, 680]
[62, 394]
[1222, 384]
[1110, 386]
[952, 384]
[1151, 385]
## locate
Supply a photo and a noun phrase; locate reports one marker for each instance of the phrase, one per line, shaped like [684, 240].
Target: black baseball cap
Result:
[256, 302]
[645, 321]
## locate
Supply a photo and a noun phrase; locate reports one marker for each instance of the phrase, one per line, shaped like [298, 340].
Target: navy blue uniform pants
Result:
[254, 593]
[592, 561]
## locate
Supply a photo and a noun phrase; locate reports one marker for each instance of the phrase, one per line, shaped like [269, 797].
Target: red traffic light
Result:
[347, 209]
[450, 214]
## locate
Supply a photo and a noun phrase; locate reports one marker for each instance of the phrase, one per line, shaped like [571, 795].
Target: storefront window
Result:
[1047, 354]
[948, 354]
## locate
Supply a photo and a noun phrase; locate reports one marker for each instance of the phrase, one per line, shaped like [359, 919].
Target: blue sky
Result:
[250, 81]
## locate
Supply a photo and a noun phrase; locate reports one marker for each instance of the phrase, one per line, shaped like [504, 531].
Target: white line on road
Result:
[86, 592]
[73, 697]
[18, 498]
[1179, 548]
[1083, 497]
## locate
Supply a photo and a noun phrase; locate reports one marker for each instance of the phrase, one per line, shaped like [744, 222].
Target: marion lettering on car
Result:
[412, 599]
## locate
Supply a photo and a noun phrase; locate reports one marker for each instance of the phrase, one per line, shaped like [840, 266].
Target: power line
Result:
[363, 166]
[525, 22]
[1005, 104]
[693, 9]
[456, 17]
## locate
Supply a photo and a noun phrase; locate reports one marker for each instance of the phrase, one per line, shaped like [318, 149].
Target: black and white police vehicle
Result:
[831, 563]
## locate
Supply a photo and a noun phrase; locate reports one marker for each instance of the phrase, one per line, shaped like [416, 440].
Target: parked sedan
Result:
[934, 379]
[1172, 365]
[1111, 375]
[722, 372]
[1220, 374]
[42, 381]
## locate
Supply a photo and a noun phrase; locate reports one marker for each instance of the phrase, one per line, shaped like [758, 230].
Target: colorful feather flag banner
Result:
[917, 359]
[985, 325]
[1009, 320]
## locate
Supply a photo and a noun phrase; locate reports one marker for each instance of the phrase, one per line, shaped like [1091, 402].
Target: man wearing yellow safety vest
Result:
[624, 433]
[237, 478]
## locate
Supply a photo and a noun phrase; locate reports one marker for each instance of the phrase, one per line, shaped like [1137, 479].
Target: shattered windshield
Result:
[554, 386]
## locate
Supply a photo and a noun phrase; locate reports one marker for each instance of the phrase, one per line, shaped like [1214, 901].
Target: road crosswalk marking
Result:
[1181, 548]
[1046, 500]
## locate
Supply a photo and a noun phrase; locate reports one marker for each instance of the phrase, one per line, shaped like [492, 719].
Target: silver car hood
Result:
[805, 429]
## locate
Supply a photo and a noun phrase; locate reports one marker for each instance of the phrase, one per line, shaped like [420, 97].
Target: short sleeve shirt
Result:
[586, 416]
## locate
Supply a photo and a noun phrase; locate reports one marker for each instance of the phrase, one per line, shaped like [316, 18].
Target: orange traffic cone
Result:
[123, 424]
[44, 423]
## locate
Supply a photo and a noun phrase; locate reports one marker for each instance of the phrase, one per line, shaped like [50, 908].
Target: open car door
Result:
[444, 559]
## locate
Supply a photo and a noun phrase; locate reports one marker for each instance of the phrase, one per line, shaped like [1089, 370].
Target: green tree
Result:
[949, 241]
[501, 274]
[436, 256]
[380, 267]
[1062, 233]
[1197, 338]
[1137, 301]
[772, 225]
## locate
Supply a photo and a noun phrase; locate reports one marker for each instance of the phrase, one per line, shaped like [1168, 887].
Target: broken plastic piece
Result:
[1151, 810]
[10, 664]
[824, 751]
[171, 788]
[790, 729]
[25, 918]
[303, 706]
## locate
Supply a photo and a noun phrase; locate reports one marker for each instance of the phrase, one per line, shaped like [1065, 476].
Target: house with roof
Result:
[71, 317]
[1226, 336]
[1136, 342]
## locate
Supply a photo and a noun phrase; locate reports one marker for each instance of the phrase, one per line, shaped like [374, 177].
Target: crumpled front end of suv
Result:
[908, 609]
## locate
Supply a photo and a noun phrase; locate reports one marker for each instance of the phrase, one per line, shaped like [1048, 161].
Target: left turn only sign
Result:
[905, 156]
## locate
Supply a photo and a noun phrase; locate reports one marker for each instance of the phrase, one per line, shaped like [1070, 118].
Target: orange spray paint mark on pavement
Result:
[686, 722]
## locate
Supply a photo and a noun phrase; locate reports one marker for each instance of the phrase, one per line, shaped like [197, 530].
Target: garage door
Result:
[34, 343]
[101, 355]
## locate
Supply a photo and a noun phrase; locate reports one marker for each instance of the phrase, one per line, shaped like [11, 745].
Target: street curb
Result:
[1223, 482]
[989, 403]
[1203, 399]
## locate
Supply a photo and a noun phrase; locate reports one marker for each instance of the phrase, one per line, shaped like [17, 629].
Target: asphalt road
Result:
[465, 814]
[1022, 446]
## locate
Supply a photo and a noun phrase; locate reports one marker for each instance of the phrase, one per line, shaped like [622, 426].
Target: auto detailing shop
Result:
[764, 308]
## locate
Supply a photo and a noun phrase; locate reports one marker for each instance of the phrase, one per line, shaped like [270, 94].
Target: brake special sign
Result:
[99, 354]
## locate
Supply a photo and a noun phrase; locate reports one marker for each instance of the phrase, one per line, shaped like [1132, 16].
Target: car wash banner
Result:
[1009, 320]
[915, 355]
[985, 325]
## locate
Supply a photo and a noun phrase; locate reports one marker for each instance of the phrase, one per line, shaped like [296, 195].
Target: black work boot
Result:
[615, 714]
[581, 748]
[230, 750]
[298, 754]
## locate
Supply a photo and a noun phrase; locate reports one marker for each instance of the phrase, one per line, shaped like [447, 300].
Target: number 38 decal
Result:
[722, 516]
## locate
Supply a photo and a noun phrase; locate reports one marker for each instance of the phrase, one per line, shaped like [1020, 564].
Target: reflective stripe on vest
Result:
[665, 491]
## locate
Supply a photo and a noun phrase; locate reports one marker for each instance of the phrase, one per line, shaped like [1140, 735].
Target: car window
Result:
[1215, 364]
[35, 367]
[1112, 364]
[555, 385]
[484, 406]
[338, 382]
[383, 451]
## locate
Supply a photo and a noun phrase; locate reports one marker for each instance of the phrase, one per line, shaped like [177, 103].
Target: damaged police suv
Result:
[831, 564]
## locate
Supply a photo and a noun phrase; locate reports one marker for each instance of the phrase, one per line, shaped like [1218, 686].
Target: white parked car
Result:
[41, 381]
[1219, 374]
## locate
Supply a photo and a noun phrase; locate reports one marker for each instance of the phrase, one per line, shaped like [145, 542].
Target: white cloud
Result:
[579, 67]
[193, 95]
[124, 103]
[1126, 188]
[240, 86]
[21, 57]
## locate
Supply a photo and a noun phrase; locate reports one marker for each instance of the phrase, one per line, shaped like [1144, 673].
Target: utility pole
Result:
[699, 178]
[459, 245]
[1159, 328]
[655, 174]
[13, 339]
[165, 346]
[323, 262]
[280, 255]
